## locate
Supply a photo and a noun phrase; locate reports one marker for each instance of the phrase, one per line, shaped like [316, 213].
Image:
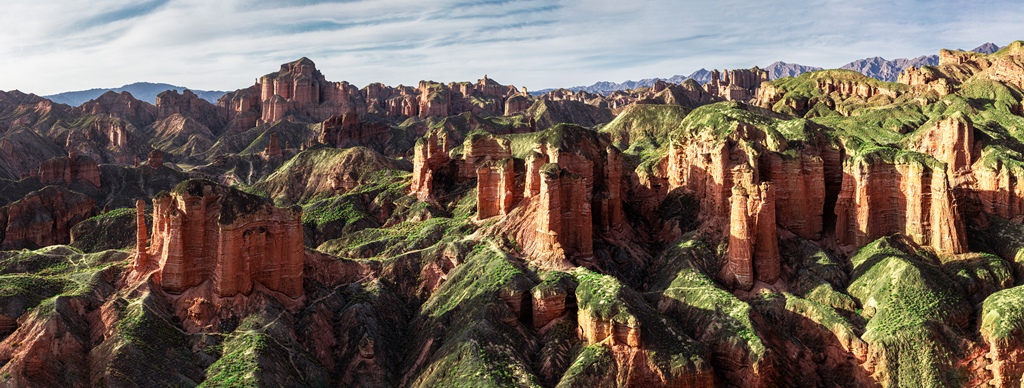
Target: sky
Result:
[52, 46]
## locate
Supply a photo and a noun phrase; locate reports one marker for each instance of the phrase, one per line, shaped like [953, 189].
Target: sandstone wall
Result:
[205, 232]
[68, 170]
[43, 218]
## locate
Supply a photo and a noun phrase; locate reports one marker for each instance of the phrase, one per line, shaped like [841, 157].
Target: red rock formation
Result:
[517, 104]
[141, 238]
[480, 148]
[188, 104]
[950, 141]
[547, 306]
[880, 198]
[564, 225]
[70, 169]
[273, 150]
[156, 159]
[346, 131]
[736, 84]
[740, 268]
[43, 218]
[597, 330]
[48, 351]
[206, 232]
[123, 106]
[495, 190]
[1006, 362]
[242, 108]
[753, 244]
[799, 184]
[1000, 189]
[430, 154]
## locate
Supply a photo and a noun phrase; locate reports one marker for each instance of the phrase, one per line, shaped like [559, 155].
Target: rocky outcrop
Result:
[188, 104]
[241, 108]
[429, 156]
[299, 89]
[141, 237]
[155, 160]
[564, 227]
[881, 197]
[273, 149]
[346, 131]
[951, 141]
[736, 85]
[203, 232]
[495, 189]
[123, 106]
[572, 196]
[753, 244]
[43, 218]
[800, 187]
[67, 170]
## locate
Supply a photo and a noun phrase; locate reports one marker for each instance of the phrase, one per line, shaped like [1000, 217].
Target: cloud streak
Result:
[54, 46]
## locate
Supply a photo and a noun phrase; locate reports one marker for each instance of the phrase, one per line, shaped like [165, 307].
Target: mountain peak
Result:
[987, 48]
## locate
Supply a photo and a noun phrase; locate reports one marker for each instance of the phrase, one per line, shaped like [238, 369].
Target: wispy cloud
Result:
[53, 46]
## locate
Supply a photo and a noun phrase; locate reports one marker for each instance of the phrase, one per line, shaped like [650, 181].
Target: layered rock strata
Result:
[880, 198]
[298, 88]
[43, 218]
[206, 232]
[429, 155]
[732, 85]
[68, 170]
[346, 131]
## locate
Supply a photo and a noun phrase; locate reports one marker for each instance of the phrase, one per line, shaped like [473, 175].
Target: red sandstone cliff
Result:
[43, 217]
[205, 232]
[67, 170]
[880, 198]
[346, 131]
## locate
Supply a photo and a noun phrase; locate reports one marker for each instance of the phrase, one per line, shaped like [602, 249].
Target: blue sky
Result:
[60, 45]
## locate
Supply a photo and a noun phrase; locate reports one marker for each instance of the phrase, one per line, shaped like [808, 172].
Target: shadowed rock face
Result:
[74, 168]
[206, 232]
[44, 217]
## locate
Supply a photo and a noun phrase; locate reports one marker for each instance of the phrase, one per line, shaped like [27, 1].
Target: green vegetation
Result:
[1002, 317]
[478, 349]
[30, 279]
[1006, 239]
[565, 137]
[910, 305]
[111, 230]
[820, 275]
[317, 173]
[405, 237]
[592, 367]
[685, 293]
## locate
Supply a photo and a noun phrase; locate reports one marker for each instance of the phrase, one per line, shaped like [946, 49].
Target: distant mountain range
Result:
[875, 67]
[885, 70]
[145, 91]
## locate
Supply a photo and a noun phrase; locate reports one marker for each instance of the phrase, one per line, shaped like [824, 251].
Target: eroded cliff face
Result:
[572, 195]
[880, 198]
[203, 232]
[44, 217]
[741, 84]
[300, 89]
[740, 202]
[429, 156]
[68, 170]
[346, 131]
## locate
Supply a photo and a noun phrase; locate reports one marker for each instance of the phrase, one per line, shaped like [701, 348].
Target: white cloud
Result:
[54, 46]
